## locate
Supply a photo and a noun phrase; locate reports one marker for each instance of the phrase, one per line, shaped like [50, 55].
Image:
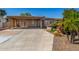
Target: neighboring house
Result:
[49, 21]
[29, 21]
[3, 20]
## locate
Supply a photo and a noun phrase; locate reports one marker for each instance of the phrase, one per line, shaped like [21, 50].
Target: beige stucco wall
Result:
[23, 23]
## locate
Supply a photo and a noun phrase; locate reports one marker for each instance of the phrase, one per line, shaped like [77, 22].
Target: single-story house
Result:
[3, 20]
[28, 22]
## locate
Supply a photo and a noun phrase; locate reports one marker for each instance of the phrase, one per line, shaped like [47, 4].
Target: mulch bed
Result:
[62, 44]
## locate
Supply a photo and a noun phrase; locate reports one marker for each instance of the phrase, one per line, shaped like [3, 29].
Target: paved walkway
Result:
[29, 40]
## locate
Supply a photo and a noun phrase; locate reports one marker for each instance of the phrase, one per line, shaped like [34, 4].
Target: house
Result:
[3, 20]
[28, 22]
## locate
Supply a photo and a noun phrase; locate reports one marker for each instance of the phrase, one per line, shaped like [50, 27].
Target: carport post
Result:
[40, 23]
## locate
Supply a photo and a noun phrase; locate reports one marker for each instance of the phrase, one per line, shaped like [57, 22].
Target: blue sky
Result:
[48, 12]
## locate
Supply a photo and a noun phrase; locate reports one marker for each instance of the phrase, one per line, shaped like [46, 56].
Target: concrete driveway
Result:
[29, 40]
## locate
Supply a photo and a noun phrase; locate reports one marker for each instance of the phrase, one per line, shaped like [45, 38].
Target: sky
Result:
[47, 12]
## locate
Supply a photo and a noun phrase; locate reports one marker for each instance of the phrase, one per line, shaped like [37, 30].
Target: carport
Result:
[25, 22]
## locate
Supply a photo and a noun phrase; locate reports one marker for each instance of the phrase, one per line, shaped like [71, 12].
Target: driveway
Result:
[28, 40]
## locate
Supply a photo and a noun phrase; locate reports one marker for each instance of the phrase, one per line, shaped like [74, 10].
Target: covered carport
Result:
[25, 22]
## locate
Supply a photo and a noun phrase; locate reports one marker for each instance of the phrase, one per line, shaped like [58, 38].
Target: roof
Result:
[54, 19]
[33, 17]
[25, 17]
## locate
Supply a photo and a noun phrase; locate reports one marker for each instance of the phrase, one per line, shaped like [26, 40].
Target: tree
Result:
[2, 12]
[26, 14]
[70, 22]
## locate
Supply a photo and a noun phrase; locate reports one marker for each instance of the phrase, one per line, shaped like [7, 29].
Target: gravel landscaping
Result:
[62, 44]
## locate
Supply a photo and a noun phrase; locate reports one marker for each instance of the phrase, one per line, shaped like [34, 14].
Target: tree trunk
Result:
[72, 37]
[78, 34]
[67, 36]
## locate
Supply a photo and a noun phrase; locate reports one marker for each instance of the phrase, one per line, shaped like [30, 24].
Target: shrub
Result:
[53, 30]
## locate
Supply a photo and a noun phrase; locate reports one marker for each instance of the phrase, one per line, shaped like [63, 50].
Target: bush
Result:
[53, 30]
